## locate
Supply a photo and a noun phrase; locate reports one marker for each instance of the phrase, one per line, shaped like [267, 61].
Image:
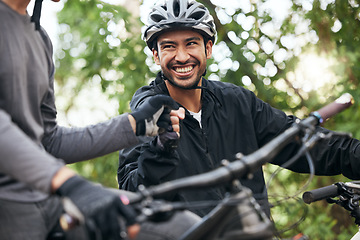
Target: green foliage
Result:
[101, 43]
[101, 170]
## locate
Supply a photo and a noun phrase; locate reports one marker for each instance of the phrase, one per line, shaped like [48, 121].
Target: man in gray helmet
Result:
[222, 119]
[34, 148]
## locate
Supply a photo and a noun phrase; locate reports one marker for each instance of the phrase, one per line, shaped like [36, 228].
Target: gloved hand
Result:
[167, 141]
[99, 209]
[154, 114]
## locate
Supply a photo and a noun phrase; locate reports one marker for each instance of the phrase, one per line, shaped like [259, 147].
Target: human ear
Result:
[208, 49]
[156, 56]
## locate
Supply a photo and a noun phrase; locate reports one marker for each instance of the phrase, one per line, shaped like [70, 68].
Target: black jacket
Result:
[234, 121]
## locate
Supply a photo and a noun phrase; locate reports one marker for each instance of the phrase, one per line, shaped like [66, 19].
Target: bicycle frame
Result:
[228, 221]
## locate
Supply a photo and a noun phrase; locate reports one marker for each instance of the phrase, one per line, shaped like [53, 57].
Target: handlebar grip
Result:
[340, 104]
[320, 194]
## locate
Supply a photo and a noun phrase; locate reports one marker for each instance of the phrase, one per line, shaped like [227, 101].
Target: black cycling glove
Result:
[154, 114]
[167, 141]
[99, 208]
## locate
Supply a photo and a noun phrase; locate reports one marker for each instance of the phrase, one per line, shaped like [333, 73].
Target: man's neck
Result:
[18, 5]
[189, 98]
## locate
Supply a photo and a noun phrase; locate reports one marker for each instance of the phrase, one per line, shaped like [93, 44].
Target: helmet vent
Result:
[157, 18]
[176, 8]
[197, 15]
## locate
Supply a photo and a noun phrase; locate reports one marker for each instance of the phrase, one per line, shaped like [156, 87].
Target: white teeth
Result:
[183, 70]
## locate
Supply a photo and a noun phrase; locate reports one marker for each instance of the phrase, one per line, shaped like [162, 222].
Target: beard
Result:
[167, 76]
[192, 86]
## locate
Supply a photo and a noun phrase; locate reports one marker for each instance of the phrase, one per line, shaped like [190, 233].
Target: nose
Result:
[182, 55]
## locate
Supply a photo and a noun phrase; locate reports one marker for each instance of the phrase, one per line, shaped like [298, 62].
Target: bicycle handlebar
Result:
[244, 164]
[321, 193]
[340, 104]
[331, 191]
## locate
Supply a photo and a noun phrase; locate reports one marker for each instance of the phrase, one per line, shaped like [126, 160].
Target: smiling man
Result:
[221, 120]
[182, 55]
[183, 59]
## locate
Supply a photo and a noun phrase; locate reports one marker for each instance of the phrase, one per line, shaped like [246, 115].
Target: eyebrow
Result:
[192, 39]
[166, 42]
[173, 42]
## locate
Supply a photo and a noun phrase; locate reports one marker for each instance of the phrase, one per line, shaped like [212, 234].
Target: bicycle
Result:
[239, 204]
[252, 223]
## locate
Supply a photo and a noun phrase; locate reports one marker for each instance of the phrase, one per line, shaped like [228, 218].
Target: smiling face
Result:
[182, 56]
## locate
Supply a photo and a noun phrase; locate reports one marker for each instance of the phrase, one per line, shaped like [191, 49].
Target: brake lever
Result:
[340, 134]
[309, 142]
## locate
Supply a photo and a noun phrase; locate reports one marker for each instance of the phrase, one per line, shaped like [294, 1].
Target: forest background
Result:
[295, 55]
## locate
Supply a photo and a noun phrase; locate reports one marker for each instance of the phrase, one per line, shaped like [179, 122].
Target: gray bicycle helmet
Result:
[179, 14]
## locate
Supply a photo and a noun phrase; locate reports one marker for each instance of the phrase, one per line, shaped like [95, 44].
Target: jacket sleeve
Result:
[24, 160]
[145, 165]
[78, 144]
[338, 155]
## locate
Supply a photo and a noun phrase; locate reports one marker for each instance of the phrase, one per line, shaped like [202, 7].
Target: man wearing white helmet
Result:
[34, 148]
[222, 119]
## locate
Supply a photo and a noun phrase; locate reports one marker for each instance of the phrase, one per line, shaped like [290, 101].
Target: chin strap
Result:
[36, 14]
[195, 86]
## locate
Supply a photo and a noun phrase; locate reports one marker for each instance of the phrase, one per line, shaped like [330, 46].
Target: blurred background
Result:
[296, 55]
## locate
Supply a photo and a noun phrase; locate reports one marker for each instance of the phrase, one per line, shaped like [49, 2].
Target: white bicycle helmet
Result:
[179, 14]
